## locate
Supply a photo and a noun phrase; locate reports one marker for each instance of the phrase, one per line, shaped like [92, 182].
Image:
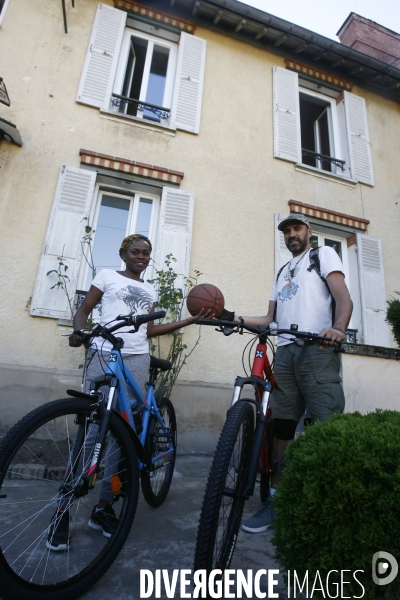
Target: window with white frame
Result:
[319, 132]
[114, 217]
[81, 200]
[145, 76]
[143, 71]
[339, 244]
[363, 267]
[321, 128]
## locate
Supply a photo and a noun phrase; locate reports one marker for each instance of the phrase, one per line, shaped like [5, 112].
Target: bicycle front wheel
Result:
[267, 449]
[41, 462]
[223, 502]
[156, 480]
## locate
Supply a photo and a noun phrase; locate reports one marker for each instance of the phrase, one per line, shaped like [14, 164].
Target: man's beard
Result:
[297, 246]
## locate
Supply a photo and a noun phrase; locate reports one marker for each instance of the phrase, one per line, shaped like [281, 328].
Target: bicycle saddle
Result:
[160, 363]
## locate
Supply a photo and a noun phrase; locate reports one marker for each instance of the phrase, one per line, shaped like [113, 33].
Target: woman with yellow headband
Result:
[120, 292]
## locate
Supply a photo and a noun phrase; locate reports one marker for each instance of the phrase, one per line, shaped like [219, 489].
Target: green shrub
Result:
[393, 316]
[339, 502]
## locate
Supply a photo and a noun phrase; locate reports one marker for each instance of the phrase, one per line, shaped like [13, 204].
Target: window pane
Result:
[337, 246]
[110, 231]
[314, 241]
[134, 72]
[144, 216]
[324, 144]
[157, 79]
[313, 123]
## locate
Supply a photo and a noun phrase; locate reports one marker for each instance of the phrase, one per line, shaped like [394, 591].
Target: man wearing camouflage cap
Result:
[310, 291]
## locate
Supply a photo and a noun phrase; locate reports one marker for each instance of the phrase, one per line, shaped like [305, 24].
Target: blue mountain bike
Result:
[54, 462]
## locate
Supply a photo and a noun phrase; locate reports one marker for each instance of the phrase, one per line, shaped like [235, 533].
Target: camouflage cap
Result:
[292, 218]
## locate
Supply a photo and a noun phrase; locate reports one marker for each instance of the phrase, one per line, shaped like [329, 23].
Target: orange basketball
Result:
[207, 296]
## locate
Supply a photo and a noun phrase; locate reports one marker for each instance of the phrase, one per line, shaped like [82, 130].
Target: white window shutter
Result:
[101, 60]
[174, 235]
[188, 91]
[358, 138]
[372, 291]
[73, 197]
[287, 138]
[282, 254]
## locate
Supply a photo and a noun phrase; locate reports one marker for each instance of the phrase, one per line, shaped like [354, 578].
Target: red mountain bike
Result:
[243, 448]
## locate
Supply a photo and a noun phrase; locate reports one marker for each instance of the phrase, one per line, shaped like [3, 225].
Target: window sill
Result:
[375, 351]
[136, 122]
[325, 175]
[64, 323]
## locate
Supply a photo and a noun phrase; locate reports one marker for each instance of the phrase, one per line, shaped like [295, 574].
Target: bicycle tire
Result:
[157, 481]
[222, 507]
[34, 464]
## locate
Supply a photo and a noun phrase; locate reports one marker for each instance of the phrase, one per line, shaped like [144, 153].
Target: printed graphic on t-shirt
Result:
[136, 299]
[290, 288]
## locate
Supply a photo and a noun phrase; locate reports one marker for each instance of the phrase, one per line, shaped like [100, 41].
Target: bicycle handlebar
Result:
[140, 319]
[106, 332]
[237, 327]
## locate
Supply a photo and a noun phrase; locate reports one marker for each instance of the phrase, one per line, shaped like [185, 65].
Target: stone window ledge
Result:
[325, 175]
[376, 351]
[137, 122]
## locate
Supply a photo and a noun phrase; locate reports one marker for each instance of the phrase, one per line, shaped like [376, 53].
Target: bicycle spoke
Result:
[44, 499]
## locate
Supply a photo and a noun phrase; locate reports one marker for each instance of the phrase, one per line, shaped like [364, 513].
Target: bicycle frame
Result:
[121, 377]
[148, 403]
[263, 381]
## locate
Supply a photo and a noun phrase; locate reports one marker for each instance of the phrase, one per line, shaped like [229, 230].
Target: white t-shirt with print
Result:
[302, 297]
[122, 295]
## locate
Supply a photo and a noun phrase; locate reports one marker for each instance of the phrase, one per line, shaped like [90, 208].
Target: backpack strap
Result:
[316, 265]
[276, 281]
[280, 270]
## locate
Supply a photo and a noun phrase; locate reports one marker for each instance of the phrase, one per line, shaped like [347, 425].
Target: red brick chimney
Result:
[370, 38]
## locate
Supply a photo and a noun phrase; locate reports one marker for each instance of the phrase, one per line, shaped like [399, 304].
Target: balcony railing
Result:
[122, 102]
[323, 158]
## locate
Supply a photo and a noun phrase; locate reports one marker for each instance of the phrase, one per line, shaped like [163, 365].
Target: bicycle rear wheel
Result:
[41, 460]
[222, 507]
[157, 479]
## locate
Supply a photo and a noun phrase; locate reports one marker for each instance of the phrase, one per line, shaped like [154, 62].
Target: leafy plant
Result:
[62, 281]
[338, 503]
[393, 316]
[87, 245]
[172, 298]
[61, 271]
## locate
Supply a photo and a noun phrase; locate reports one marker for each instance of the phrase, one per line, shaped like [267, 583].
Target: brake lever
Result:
[227, 330]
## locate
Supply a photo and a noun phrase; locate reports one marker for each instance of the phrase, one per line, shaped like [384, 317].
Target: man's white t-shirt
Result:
[122, 295]
[302, 297]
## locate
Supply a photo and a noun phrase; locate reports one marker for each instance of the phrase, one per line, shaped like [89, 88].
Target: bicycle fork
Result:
[263, 389]
[104, 414]
[84, 445]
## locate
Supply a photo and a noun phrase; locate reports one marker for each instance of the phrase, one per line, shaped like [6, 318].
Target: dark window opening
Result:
[315, 135]
[143, 80]
[134, 73]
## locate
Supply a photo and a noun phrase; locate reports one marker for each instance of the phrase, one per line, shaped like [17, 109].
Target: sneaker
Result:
[59, 534]
[103, 519]
[261, 520]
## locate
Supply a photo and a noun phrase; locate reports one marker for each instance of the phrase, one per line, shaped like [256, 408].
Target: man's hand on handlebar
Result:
[335, 336]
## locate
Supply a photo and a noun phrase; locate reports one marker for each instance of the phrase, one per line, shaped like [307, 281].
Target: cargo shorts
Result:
[307, 377]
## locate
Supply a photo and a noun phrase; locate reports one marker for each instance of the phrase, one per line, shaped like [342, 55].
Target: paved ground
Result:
[164, 538]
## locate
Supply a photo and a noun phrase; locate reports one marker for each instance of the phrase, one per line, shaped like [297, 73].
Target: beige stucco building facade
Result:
[237, 183]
